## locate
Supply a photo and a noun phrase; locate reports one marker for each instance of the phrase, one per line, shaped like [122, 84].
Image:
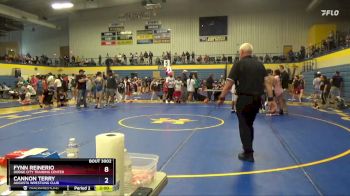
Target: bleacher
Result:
[329, 72]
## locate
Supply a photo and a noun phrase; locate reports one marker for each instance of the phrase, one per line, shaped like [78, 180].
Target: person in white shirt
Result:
[317, 84]
[58, 86]
[190, 87]
[170, 80]
[29, 91]
[50, 80]
[178, 89]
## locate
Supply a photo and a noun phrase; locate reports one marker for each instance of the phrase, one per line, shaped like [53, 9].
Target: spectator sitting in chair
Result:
[199, 59]
[224, 59]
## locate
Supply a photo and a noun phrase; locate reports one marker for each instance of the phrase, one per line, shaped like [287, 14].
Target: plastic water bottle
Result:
[128, 187]
[72, 152]
[72, 148]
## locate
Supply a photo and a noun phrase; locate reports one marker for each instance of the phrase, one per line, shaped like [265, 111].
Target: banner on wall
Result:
[216, 38]
[116, 27]
[153, 24]
[124, 38]
[108, 38]
[161, 36]
[144, 36]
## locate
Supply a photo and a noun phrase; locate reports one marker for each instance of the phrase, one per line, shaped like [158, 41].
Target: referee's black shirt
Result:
[249, 75]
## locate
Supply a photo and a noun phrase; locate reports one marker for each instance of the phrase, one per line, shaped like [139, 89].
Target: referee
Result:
[249, 76]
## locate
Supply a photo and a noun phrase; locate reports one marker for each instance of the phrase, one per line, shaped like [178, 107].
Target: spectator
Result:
[124, 59]
[330, 41]
[136, 58]
[142, 60]
[81, 87]
[193, 57]
[99, 83]
[224, 59]
[302, 53]
[199, 59]
[347, 40]
[196, 85]
[175, 58]
[111, 88]
[278, 90]
[188, 56]
[158, 62]
[119, 59]
[150, 54]
[170, 82]
[190, 87]
[317, 92]
[206, 59]
[209, 84]
[336, 86]
[183, 58]
[58, 87]
[184, 88]
[168, 55]
[291, 56]
[285, 81]
[325, 88]
[145, 56]
[34, 81]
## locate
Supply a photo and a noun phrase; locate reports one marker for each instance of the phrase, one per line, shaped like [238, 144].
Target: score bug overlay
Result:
[94, 174]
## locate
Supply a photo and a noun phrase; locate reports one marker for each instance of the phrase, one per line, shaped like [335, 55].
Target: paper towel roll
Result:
[111, 145]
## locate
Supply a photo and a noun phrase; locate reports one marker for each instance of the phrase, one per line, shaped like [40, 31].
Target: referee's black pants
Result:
[247, 108]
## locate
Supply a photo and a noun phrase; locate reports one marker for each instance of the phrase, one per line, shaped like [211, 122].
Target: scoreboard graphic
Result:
[62, 174]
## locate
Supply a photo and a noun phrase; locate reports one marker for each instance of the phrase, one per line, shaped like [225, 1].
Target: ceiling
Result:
[42, 8]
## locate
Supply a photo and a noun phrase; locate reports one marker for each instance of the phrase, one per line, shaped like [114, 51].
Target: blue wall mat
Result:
[10, 81]
[329, 72]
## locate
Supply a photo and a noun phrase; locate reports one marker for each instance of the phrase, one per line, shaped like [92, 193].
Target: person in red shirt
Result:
[34, 82]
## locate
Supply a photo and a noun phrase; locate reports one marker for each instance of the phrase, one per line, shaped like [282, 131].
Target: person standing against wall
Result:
[209, 84]
[337, 85]
[250, 77]
[190, 87]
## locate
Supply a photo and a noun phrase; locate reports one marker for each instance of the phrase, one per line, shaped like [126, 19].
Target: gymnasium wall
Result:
[337, 58]
[38, 40]
[268, 31]
[11, 40]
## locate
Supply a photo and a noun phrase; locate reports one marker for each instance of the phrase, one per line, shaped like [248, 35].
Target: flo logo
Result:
[330, 12]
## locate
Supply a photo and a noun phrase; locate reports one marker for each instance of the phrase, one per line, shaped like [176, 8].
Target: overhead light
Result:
[62, 5]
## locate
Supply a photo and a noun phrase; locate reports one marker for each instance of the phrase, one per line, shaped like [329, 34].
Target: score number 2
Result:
[106, 169]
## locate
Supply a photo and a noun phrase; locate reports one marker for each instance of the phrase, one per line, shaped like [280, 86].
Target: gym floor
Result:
[303, 153]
